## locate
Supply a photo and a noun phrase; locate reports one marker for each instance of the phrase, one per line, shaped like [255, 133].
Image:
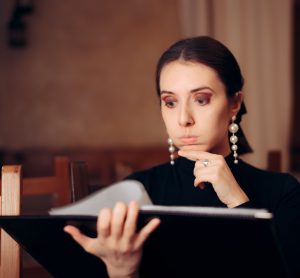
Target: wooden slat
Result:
[39, 185]
[62, 173]
[79, 180]
[11, 190]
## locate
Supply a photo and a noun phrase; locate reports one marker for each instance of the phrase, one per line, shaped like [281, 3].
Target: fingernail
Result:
[201, 185]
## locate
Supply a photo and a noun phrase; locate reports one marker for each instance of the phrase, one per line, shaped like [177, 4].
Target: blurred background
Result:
[77, 78]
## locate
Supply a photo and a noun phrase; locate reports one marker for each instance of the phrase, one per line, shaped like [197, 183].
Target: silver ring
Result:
[205, 162]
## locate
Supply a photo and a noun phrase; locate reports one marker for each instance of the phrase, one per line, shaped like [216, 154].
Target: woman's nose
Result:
[186, 117]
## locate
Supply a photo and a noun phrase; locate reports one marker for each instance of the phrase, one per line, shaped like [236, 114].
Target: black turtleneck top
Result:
[279, 193]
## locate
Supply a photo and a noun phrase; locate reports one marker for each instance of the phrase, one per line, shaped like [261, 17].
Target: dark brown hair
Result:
[214, 54]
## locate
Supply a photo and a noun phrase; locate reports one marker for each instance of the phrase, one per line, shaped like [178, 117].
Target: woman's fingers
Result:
[118, 243]
[204, 171]
[104, 222]
[118, 224]
[72, 231]
[118, 219]
[80, 238]
[131, 220]
[195, 155]
[207, 165]
[146, 231]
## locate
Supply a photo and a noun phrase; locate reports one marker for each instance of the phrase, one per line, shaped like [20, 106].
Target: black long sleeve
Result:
[279, 193]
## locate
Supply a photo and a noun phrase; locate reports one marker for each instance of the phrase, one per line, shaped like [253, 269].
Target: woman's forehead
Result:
[183, 75]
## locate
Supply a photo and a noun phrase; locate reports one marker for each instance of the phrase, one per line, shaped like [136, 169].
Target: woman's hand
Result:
[117, 242]
[214, 169]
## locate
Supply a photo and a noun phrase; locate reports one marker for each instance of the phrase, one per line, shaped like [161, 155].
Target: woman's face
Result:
[195, 108]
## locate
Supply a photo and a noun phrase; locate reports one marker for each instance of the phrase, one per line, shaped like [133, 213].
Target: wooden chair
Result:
[69, 183]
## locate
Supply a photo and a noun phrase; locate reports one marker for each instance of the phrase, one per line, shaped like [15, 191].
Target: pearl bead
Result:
[234, 147]
[171, 149]
[172, 162]
[236, 161]
[233, 128]
[170, 141]
[235, 155]
[233, 139]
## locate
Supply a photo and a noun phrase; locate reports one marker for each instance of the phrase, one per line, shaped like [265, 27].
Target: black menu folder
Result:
[190, 242]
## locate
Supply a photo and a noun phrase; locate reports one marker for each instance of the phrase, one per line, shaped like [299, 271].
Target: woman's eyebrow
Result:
[201, 88]
[166, 92]
[191, 91]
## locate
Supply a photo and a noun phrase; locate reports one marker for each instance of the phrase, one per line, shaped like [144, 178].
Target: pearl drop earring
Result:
[233, 128]
[171, 151]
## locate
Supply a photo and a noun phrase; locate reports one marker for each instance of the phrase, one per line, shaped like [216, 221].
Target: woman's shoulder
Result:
[268, 177]
[268, 189]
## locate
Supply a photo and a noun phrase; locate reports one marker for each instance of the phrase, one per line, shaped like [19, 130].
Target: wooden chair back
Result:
[14, 188]
[58, 184]
[10, 204]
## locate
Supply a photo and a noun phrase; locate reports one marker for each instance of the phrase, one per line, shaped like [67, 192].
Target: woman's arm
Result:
[117, 242]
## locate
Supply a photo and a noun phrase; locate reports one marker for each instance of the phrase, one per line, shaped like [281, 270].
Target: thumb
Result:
[80, 238]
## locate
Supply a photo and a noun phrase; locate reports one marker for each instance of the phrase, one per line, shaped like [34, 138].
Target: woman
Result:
[200, 86]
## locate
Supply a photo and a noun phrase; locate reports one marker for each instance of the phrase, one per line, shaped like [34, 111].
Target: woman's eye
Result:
[169, 102]
[203, 99]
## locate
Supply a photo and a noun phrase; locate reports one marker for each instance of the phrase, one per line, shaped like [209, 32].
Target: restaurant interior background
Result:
[77, 78]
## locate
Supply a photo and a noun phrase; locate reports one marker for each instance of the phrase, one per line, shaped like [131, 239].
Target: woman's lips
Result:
[188, 139]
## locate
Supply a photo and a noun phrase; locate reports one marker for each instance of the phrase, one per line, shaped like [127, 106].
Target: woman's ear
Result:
[236, 102]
